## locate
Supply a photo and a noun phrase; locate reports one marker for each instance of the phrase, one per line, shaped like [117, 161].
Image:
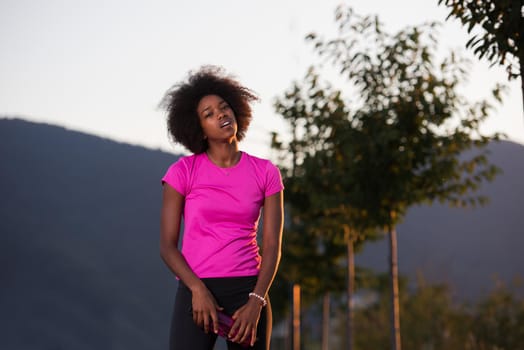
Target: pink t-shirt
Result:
[221, 212]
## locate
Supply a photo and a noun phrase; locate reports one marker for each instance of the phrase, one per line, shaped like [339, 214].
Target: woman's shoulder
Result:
[184, 162]
[253, 158]
[188, 159]
[259, 162]
[267, 173]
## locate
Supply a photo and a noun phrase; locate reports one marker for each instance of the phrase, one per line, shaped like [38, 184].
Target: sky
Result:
[102, 66]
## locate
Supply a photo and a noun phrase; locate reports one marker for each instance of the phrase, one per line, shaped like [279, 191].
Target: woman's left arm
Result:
[246, 318]
[271, 242]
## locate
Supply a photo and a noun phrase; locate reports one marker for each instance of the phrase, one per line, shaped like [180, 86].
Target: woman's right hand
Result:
[205, 309]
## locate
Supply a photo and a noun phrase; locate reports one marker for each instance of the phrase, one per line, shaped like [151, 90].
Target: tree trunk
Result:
[350, 290]
[395, 309]
[520, 54]
[521, 63]
[296, 317]
[325, 322]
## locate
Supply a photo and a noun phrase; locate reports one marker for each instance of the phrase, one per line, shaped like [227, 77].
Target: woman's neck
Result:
[224, 155]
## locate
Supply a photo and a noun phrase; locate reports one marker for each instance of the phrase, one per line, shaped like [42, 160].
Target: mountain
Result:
[79, 225]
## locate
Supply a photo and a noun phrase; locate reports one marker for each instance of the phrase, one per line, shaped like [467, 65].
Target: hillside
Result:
[467, 248]
[79, 223]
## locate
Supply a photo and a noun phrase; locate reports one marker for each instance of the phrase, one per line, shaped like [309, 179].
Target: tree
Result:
[430, 318]
[433, 320]
[410, 133]
[499, 36]
[323, 218]
[498, 321]
[310, 258]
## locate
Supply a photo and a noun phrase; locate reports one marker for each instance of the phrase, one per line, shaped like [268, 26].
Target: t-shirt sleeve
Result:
[177, 176]
[274, 182]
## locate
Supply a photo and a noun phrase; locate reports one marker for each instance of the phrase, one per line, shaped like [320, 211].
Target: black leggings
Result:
[231, 294]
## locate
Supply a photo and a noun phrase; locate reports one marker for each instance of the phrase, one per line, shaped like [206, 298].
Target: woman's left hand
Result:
[246, 318]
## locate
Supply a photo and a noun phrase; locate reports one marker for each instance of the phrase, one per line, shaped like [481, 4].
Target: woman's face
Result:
[217, 119]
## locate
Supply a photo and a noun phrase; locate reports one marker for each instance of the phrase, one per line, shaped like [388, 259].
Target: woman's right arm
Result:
[204, 304]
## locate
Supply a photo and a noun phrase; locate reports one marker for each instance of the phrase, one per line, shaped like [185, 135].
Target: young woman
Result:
[219, 192]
